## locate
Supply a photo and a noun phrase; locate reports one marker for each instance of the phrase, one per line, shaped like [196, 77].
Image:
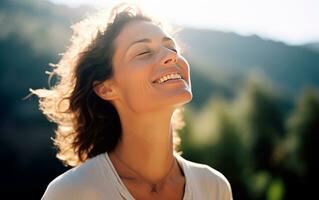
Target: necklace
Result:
[154, 187]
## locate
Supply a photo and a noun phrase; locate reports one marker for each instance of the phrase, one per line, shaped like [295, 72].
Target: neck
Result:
[147, 144]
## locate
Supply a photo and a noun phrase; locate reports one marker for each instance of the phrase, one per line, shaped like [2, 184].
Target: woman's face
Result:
[144, 56]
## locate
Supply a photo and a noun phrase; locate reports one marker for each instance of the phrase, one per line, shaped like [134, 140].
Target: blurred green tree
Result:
[262, 120]
[303, 128]
[259, 114]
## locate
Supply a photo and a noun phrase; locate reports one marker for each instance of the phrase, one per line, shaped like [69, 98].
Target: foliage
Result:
[255, 142]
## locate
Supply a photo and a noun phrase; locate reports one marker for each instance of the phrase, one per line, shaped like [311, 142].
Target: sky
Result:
[294, 22]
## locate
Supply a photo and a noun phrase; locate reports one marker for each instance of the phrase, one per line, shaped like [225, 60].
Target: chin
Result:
[183, 99]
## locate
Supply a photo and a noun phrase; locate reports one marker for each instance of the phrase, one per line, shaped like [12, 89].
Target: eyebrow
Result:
[147, 40]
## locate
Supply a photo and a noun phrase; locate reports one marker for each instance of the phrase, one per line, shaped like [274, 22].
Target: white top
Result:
[97, 179]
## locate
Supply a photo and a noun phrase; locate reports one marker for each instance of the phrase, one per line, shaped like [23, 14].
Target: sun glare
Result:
[287, 20]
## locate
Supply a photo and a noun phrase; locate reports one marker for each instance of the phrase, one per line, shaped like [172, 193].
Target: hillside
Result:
[219, 60]
[290, 67]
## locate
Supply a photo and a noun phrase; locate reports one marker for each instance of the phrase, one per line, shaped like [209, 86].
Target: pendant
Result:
[154, 188]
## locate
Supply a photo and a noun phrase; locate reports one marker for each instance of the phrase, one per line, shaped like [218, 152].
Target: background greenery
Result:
[254, 115]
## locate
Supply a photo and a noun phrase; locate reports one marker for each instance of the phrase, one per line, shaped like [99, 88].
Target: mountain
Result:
[289, 67]
[45, 26]
[220, 61]
[312, 46]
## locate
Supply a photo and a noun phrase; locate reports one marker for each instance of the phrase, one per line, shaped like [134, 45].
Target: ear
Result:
[106, 89]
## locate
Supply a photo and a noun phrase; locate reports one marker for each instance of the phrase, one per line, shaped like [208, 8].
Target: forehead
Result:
[137, 30]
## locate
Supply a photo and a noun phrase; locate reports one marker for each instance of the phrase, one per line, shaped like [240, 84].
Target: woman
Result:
[121, 86]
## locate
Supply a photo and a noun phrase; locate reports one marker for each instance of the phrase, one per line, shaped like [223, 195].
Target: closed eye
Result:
[145, 52]
[148, 52]
[174, 50]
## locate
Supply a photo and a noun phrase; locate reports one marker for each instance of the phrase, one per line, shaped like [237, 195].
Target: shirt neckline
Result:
[125, 193]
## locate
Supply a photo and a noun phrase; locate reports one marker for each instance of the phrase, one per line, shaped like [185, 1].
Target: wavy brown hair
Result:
[86, 124]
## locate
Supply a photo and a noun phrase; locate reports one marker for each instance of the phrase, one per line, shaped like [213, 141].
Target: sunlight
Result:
[286, 20]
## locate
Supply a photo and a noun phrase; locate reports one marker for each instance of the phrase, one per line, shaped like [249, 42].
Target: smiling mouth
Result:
[174, 77]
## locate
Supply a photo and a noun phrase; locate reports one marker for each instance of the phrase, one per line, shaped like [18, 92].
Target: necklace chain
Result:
[153, 186]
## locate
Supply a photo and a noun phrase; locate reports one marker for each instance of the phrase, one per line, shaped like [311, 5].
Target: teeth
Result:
[169, 77]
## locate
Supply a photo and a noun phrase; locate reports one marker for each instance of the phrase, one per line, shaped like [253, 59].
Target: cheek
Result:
[135, 86]
[131, 76]
[138, 95]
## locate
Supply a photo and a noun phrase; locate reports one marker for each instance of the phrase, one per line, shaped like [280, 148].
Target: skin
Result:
[146, 108]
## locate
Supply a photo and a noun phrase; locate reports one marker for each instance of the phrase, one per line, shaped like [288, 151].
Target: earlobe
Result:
[105, 89]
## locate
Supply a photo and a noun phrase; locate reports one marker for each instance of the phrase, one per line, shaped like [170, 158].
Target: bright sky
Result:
[290, 21]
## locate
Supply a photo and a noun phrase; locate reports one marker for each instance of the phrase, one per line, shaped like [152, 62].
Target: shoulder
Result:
[76, 183]
[207, 174]
[209, 181]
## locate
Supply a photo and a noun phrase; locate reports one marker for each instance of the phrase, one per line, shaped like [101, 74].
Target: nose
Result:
[169, 56]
